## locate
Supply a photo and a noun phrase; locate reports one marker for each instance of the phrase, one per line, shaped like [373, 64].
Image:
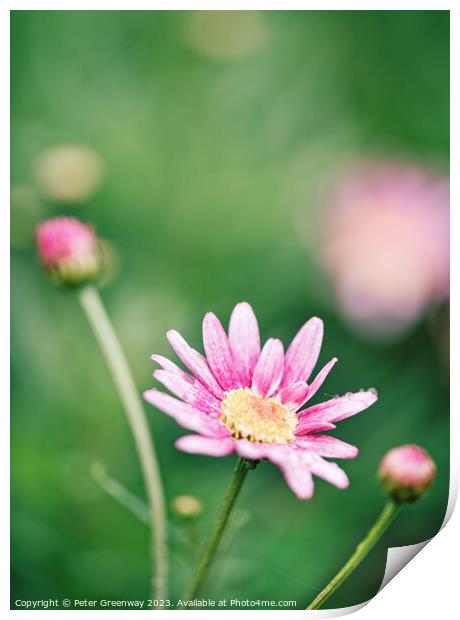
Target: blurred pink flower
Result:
[68, 249]
[244, 399]
[385, 243]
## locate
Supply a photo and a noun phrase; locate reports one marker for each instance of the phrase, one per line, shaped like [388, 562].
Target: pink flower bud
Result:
[68, 249]
[407, 473]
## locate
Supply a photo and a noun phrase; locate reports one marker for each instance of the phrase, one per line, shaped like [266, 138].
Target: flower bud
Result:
[407, 473]
[187, 506]
[68, 249]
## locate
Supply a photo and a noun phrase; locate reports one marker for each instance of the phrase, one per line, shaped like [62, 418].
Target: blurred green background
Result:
[211, 150]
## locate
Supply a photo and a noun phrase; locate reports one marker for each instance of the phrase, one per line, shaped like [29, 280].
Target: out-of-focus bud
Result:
[384, 241]
[68, 249]
[69, 172]
[226, 35]
[187, 506]
[407, 473]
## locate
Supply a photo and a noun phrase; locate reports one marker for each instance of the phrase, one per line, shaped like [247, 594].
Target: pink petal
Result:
[203, 399]
[244, 341]
[294, 465]
[186, 415]
[167, 364]
[269, 369]
[298, 476]
[319, 379]
[195, 362]
[330, 472]
[218, 352]
[324, 445]
[312, 426]
[296, 470]
[302, 355]
[197, 444]
[297, 394]
[340, 407]
[294, 395]
[252, 449]
[188, 389]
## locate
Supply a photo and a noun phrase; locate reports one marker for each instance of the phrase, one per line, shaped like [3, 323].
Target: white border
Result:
[429, 586]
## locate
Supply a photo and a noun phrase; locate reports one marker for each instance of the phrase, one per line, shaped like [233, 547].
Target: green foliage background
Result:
[209, 163]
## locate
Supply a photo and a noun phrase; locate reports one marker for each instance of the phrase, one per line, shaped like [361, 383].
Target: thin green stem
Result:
[118, 492]
[386, 517]
[123, 379]
[209, 552]
[133, 504]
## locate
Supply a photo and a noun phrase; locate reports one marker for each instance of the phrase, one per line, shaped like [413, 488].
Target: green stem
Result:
[209, 552]
[122, 377]
[386, 517]
[117, 491]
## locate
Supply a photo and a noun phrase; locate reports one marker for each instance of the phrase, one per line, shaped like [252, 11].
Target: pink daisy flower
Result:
[242, 399]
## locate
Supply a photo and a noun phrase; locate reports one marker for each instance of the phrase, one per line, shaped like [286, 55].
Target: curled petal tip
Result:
[341, 481]
[304, 494]
[147, 394]
[372, 396]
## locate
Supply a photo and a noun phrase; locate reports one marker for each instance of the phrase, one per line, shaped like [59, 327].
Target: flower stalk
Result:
[236, 482]
[111, 349]
[384, 520]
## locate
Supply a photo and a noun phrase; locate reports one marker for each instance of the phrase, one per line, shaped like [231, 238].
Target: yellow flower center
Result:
[253, 417]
